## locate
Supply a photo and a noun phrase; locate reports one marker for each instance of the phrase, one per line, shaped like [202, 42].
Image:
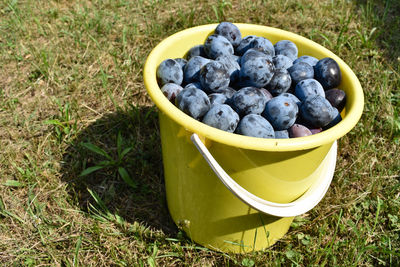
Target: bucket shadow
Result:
[145, 202]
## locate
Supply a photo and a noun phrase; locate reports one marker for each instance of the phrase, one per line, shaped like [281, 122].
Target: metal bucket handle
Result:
[301, 205]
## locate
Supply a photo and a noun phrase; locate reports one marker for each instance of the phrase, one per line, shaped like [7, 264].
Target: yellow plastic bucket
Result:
[235, 193]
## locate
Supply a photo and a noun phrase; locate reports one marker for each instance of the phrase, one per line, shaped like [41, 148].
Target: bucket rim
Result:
[354, 108]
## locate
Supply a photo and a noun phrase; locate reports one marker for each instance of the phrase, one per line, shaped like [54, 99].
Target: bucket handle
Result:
[302, 205]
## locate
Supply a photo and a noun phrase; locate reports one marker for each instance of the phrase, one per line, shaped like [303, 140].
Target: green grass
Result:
[72, 97]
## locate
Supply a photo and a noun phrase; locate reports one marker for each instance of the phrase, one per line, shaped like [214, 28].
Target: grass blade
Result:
[90, 170]
[13, 183]
[98, 200]
[53, 122]
[77, 247]
[96, 150]
[6, 213]
[119, 144]
[126, 151]
[125, 176]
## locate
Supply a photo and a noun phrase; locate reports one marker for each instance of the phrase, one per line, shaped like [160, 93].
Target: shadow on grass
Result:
[146, 202]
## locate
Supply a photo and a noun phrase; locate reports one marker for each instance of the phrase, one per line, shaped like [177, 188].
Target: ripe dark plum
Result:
[316, 130]
[244, 44]
[231, 65]
[301, 71]
[281, 112]
[171, 90]
[217, 45]
[312, 61]
[264, 45]
[191, 72]
[193, 102]
[286, 48]
[282, 62]
[284, 134]
[222, 117]
[214, 76]
[230, 31]
[298, 130]
[280, 82]
[169, 71]
[217, 98]
[308, 87]
[316, 111]
[336, 97]
[248, 100]
[327, 72]
[197, 50]
[256, 72]
[256, 126]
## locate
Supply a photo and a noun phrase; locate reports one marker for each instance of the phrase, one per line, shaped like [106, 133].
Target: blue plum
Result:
[181, 61]
[193, 102]
[222, 117]
[282, 62]
[256, 126]
[245, 44]
[312, 61]
[308, 87]
[316, 111]
[286, 48]
[264, 45]
[191, 72]
[231, 65]
[196, 85]
[197, 50]
[284, 134]
[281, 112]
[257, 71]
[217, 98]
[213, 76]
[267, 94]
[248, 100]
[217, 45]
[169, 71]
[280, 82]
[251, 54]
[336, 119]
[171, 90]
[327, 72]
[301, 71]
[227, 91]
[230, 31]
[291, 97]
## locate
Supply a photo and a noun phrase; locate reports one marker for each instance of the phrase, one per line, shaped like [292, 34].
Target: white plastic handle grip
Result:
[300, 206]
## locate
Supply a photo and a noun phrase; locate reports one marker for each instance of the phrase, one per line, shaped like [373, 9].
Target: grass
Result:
[72, 97]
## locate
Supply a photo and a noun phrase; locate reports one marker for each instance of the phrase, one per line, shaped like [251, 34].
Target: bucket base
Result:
[266, 231]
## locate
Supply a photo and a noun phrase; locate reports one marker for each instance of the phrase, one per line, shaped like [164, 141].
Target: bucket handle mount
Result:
[300, 206]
